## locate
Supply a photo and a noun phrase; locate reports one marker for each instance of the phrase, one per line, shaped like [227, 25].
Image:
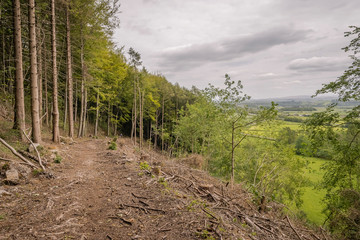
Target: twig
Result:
[37, 152]
[122, 219]
[212, 215]
[4, 159]
[16, 153]
[139, 196]
[253, 225]
[297, 234]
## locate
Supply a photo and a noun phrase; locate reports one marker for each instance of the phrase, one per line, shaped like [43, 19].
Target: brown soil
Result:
[98, 193]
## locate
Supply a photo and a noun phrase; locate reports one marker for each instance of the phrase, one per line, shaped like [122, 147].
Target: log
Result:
[16, 153]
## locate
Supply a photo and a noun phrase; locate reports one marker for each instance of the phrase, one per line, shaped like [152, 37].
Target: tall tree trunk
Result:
[19, 121]
[36, 132]
[82, 107]
[97, 112]
[66, 104]
[133, 129]
[85, 113]
[3, 65]
[232, 155]
[46, 104]
[69, 74]
[108, 119]
[156, 128]
[162, 124]
[40, 75]
[140, 119]
[56, 130]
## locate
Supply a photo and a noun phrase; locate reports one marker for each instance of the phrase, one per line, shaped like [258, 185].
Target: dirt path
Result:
[96, 194]
[101, 194]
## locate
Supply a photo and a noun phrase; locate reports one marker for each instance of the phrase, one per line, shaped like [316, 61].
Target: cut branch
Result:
[37, 152]
[16, 153]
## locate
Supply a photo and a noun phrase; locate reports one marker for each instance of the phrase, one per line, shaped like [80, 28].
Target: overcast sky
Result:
[277, 48]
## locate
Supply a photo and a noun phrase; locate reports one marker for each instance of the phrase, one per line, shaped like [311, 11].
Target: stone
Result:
[12, 177]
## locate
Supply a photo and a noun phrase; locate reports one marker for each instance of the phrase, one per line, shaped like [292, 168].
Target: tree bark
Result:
[97, 112]
[19, 121]
[82, 107]
[40, 75]
[35, 115]
[108, 119]
[56, 131]
[162, 124]
[46, 103]
[69, 74]
[232, 155]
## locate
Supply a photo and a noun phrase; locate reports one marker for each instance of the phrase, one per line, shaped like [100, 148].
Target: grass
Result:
[313, 198]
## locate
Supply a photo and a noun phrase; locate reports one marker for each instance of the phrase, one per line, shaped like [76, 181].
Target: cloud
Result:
[318, 64]
[192, 55]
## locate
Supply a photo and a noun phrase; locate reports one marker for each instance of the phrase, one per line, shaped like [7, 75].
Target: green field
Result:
[313, 198]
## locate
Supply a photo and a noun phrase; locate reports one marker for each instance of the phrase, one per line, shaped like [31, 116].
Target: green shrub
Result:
[57, 159]
[112, 146]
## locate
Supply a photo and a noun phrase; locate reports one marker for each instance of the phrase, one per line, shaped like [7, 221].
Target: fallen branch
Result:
[16, 153]
[253, 225]
[297, 234]
[122, 219]
[144, 209]
[4, 159]
[138, 196]
[37, 152]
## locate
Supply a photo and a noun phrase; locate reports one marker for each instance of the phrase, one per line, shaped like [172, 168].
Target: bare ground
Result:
[98, 193]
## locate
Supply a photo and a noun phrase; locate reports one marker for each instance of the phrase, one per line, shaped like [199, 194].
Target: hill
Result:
[97, 193]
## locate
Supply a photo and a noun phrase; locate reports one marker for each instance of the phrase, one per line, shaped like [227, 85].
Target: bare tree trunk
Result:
[19, 122]
[232, 155]
[140, 119]
[97, 112]
[133, 129]
[40, 75]
[66, 104]
[36, 132]
[69, 74]
[85, 114]
[156, 128]
[3, 66]
[108, 120]
[56, 131]
[46, 90]
[82, 108]
[162, 124]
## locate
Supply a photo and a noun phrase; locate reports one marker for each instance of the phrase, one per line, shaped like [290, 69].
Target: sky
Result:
[277, 48]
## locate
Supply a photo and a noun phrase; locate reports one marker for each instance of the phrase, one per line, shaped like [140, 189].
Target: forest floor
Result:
[96, 193]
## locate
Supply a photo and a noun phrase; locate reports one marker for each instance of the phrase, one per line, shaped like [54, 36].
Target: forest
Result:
[64, 77]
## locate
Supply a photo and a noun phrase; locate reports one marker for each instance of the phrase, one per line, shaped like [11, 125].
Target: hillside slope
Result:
[98, 193]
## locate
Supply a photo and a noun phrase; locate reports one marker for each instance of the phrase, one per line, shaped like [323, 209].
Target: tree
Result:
[69, 73]
[35, 115]
[19, 122]
[236, 118]
[134, 62]
[56, 131]
[342, 136]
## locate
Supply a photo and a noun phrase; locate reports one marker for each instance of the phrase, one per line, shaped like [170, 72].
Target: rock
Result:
[31, 148]
[4, 193]
[12, 177]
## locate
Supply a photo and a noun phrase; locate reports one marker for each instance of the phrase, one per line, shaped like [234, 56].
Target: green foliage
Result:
[37, 172]
[219, 126]
[112, 146]
[57, 159]
[145, 166]
[342, 137]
